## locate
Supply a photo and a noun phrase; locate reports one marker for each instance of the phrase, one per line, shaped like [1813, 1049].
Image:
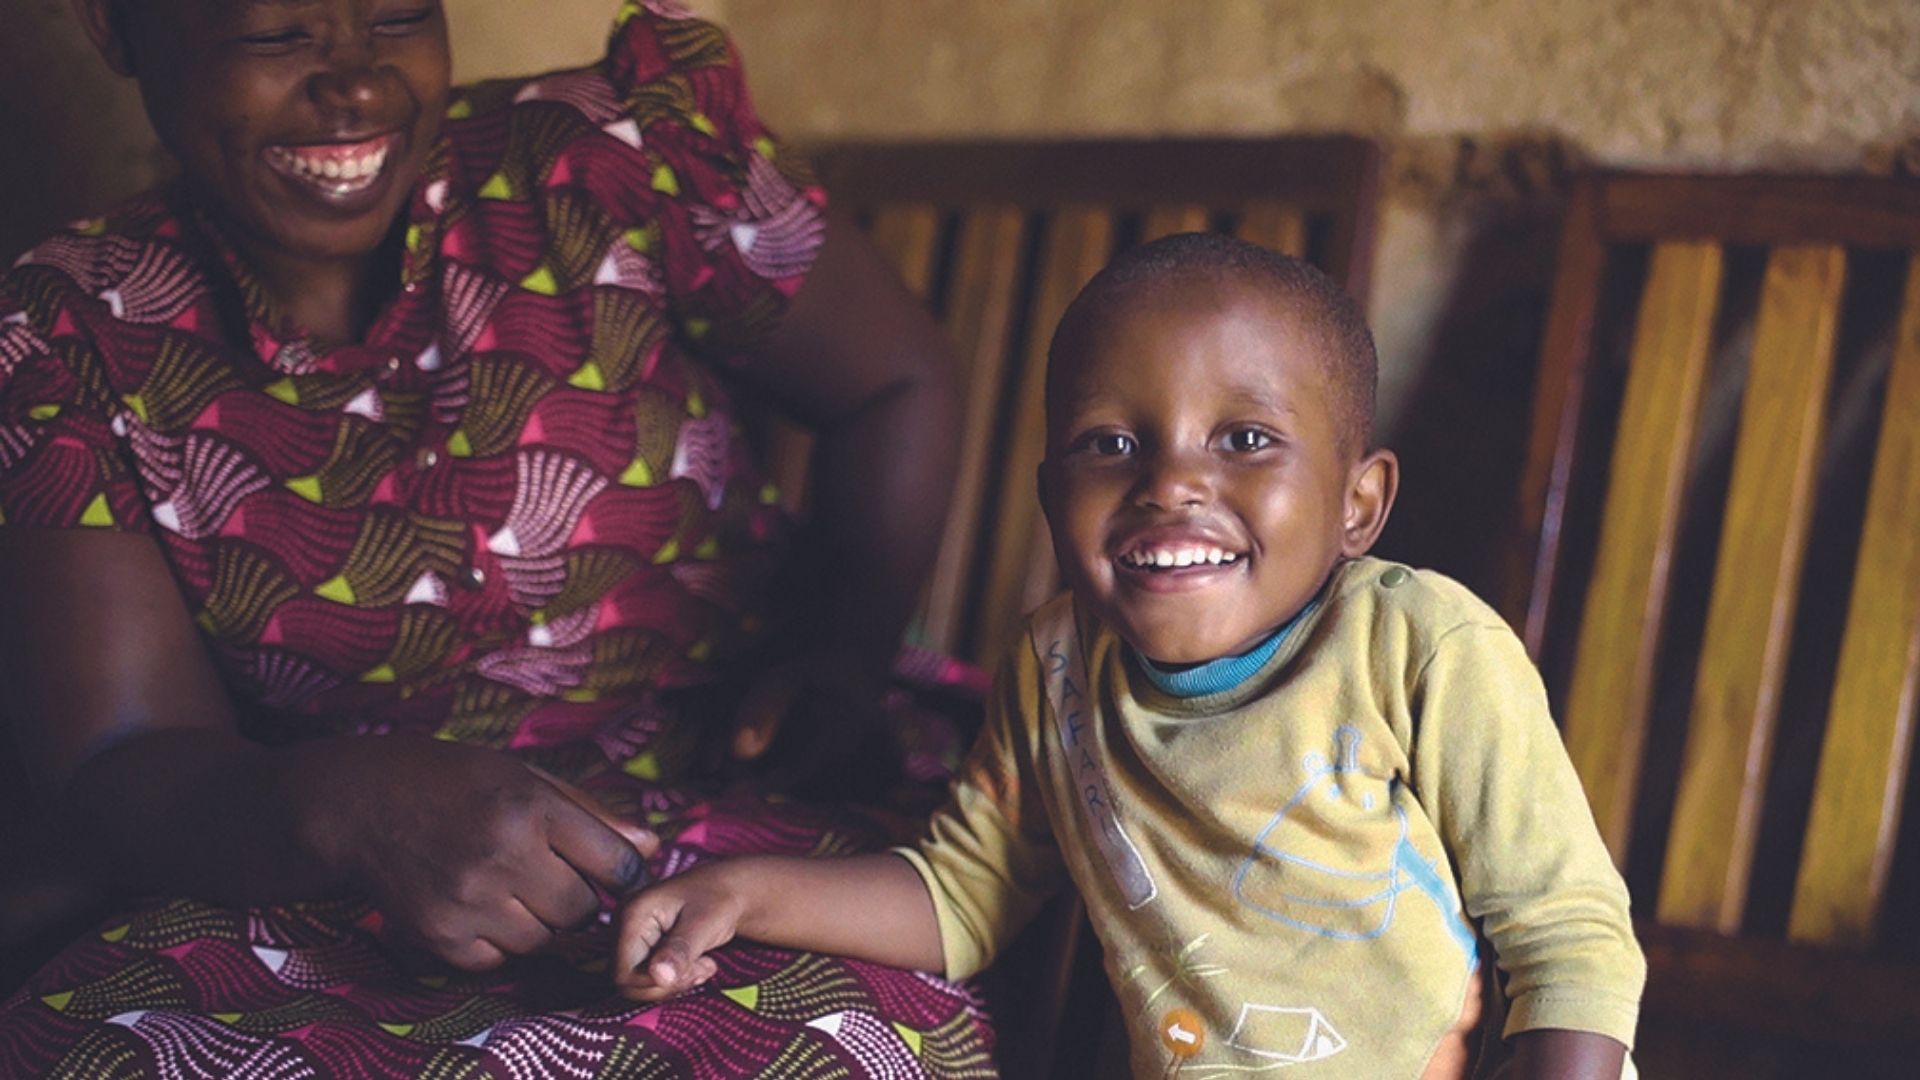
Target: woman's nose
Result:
[1175, 480]
[350, 82]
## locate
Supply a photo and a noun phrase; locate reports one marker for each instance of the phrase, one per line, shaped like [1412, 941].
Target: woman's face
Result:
[302, 122]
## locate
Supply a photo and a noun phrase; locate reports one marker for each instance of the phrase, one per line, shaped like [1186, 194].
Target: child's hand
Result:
[666, 932]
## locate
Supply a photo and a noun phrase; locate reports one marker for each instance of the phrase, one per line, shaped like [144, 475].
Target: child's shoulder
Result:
[1389, 601]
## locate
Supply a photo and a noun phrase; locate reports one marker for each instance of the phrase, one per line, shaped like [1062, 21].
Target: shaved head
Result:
[1331, 318]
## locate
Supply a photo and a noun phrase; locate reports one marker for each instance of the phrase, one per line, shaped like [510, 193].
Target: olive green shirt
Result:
[1298, 872]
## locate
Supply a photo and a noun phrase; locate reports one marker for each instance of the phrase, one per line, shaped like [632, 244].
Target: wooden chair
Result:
[1697, 601]
[998, 237]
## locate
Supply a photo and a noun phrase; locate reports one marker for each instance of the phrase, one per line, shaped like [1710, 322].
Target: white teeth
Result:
[349, 174]
[1170, 558]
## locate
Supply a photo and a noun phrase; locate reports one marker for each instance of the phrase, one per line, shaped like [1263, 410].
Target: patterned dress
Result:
[520, 514]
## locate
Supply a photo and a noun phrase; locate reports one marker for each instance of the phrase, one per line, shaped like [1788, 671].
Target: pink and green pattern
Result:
[521, 514]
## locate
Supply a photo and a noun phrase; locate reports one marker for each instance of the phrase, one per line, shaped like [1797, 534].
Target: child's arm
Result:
[869, 907]
[1492, 773]
[1556, 1054]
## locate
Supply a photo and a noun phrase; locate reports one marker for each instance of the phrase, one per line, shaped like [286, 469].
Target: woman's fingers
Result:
[641, 837]
[611, 857]
[474, 955]
[556, 894]
[517, 931]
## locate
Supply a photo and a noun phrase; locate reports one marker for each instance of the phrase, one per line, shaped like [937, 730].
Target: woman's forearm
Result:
[881, 479]
[204, 813]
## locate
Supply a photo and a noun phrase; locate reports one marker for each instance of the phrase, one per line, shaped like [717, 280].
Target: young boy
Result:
[1276, 770]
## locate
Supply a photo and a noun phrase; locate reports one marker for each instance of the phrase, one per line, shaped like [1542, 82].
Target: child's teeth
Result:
[1185, 558]
[1214, 555]
[1163, 558]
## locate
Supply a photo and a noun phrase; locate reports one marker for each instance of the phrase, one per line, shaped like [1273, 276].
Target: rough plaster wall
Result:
[1485, 105]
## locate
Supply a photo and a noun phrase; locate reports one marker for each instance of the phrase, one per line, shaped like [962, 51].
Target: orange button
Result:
[1182, 1032]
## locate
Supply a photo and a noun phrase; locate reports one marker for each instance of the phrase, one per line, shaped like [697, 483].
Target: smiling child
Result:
[1304, 793]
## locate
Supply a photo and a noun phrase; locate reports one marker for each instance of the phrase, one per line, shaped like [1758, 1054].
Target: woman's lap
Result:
[182, 988]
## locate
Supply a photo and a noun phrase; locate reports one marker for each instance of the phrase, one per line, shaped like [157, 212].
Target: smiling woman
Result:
[301, 125]
[390, 573]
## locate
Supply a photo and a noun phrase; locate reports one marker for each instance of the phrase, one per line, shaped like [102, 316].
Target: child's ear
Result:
[1371, 485]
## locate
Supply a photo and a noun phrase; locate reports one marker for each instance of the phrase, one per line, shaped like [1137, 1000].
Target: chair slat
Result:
[908, 235]
[1842, 880]
[1554, 441]
[1763, 538]
[1167, 220]
[1282, 228]
[981, 307]
[1606, 713]
[1077, 243]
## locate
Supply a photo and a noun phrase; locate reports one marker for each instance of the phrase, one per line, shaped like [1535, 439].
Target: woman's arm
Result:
[135, 750]
[859, 361]
[869, 907]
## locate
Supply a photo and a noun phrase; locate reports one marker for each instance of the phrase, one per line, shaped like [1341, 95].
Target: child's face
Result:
[1195, 426]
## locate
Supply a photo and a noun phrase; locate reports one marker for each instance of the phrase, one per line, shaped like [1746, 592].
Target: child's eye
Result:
[1248, 440]
[1108, 444]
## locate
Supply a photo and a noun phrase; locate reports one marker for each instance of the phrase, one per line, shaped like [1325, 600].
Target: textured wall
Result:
[1484, 105]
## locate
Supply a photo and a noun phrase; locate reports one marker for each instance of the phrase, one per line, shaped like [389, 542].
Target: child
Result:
[1275, 769]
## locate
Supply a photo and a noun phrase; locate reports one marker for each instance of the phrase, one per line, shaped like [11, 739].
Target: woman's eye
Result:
[405, 22]
[1248, 440]
[275, 40]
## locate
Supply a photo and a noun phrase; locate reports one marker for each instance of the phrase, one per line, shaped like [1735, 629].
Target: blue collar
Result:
[1223, 674]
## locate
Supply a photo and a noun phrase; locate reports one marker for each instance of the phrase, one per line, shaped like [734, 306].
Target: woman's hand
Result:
[816, 729]
[136, 753]
[466, 851]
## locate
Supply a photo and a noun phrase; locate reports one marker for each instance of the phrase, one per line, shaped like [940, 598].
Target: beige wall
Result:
[1484, 105]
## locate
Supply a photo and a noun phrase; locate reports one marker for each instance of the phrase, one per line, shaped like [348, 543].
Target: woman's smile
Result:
[344, 175]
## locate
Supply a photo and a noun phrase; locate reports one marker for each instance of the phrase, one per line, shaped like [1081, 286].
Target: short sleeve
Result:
[61, 465]
[989, 859]
[1491, 771]
[741, 218]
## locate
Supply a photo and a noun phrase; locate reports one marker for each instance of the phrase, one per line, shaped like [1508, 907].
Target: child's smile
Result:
[1177, 559]
[1198, 482]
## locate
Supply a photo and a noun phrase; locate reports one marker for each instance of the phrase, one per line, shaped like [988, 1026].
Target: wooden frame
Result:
[1812, 229]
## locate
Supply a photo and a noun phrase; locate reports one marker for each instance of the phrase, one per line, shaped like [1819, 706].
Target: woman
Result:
[410, 412]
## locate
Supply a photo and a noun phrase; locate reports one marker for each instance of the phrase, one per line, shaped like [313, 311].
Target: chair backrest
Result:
[1616, 540]
[998, 237]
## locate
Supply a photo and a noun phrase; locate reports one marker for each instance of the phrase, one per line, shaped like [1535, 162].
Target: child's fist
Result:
[666, 932]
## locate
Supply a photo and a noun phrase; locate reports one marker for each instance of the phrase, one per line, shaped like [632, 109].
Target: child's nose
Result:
[1175, 481]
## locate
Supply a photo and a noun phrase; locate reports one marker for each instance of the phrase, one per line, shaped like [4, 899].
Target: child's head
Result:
[1209, 406]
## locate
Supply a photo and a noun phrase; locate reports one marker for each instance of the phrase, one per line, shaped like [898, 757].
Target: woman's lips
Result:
[335, 171]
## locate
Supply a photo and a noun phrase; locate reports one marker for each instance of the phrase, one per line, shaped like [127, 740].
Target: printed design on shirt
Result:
[1188, 972]
[1066, 678]
[1280, 1036]
[1335, 859]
